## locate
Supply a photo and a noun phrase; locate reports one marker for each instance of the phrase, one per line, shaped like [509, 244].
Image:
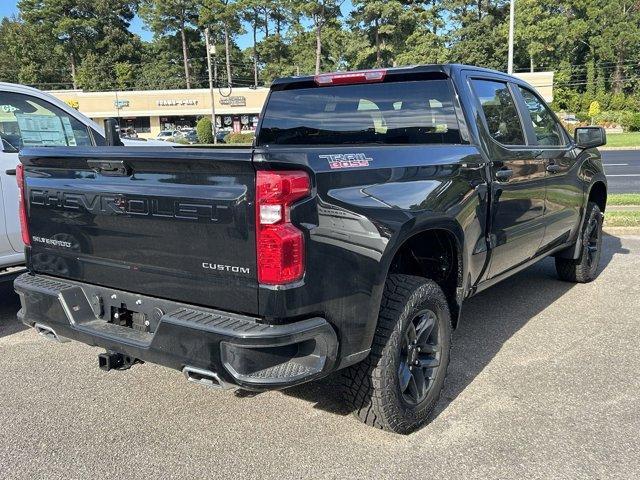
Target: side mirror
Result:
[590, 137]
[8, 148]
[112, 133]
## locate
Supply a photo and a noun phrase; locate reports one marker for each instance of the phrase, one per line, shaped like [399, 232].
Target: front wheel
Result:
[397, 387]
[585, 267]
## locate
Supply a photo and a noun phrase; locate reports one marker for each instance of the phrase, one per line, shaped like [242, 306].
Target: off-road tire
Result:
[585, 268]
[372, 387]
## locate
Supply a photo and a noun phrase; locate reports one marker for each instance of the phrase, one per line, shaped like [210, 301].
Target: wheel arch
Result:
[598, 194]
[422, 251]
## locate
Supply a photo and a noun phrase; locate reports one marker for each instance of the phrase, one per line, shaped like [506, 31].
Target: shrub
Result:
[614, 118]
[594, 109]
[235, 137]
[583, 116]
[618, 101]
[633, 124]
[203, 129]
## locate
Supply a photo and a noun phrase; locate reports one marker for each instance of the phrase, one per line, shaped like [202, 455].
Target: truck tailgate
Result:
[171, 223]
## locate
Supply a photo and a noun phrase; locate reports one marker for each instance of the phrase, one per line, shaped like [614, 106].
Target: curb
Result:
[604, 149]
[621, 231]
[623, 208]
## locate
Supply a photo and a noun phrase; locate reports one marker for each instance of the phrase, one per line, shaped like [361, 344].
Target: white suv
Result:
[29, 117]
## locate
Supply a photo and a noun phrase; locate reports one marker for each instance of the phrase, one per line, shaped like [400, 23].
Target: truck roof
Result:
[444, 68]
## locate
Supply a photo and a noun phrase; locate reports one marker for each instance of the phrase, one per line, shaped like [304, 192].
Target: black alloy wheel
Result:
[419, 357]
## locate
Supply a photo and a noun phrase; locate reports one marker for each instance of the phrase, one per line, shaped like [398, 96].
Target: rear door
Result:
[518, 177]
[170, 223]
[564, 194]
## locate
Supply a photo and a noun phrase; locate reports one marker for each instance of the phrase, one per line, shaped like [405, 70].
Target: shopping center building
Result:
[150, 111]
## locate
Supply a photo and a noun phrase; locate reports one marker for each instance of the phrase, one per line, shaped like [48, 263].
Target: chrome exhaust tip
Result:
[206, 378]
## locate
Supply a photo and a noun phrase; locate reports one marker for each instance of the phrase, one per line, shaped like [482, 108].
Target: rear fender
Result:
[418, 226]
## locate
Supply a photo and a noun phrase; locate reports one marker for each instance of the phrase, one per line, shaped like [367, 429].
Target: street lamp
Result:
[213, 103]
[512, 15]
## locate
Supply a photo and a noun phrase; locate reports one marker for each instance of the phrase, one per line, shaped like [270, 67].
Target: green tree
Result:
[169, 17]
[81, 29]
[479, 35]
[540, 27]
[426, 42]
[116, 51]
[222, 16]
[379, 21]
[276, 58]
[29, 55]
[320, 13]
[251, 12]
[615, 35]
[68, 22]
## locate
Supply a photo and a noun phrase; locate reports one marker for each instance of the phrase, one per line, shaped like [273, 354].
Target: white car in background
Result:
[166, 135]
[30, 117]
[570, 119]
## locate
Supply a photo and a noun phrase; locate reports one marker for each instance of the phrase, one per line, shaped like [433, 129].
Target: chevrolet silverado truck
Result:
[370, 206]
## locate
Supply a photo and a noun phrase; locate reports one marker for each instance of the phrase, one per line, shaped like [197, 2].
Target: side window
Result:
[27, 121]
[500, 110]
[547, 130]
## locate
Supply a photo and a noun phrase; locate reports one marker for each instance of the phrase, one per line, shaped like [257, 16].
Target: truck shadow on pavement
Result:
[488, 321]
[9, 306]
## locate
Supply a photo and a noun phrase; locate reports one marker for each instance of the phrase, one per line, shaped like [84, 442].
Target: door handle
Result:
[11, 171]
[111, 168]
[553, 168]
[504, 174]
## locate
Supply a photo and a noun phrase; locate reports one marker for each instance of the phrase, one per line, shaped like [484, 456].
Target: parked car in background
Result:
[128, 132]
[166, 135]
[28, 118]
[191, 137]
[221, 135]
[570, 119]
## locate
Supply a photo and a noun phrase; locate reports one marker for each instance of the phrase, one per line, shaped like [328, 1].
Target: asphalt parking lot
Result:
[544, 383]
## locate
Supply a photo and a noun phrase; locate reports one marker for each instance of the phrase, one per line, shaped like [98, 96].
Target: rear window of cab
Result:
[405, 113]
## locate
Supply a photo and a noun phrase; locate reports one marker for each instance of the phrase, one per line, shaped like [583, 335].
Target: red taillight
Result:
[280, 245]
[24, 226]
[349, 78]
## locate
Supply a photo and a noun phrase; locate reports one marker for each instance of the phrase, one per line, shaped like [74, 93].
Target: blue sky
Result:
[9, 8]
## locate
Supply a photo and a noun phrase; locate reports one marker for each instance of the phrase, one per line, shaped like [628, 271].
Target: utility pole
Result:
[512, 15]
[213, 103]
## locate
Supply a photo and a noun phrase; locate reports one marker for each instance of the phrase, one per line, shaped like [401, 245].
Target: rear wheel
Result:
[397, 387]
[585, 267]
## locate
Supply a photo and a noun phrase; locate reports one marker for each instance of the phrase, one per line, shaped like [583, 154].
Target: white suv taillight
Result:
[280, 245]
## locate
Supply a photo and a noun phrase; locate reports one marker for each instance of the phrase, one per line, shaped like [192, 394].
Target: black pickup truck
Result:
[371, 205]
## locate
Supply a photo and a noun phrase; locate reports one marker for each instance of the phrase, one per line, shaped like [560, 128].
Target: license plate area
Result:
[124, 317]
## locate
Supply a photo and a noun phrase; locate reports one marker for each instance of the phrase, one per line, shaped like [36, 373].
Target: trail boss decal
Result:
[347, 160]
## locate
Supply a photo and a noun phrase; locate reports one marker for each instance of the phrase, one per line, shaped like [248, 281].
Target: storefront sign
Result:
[237, 101]
[121, 103]
[176, 103]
